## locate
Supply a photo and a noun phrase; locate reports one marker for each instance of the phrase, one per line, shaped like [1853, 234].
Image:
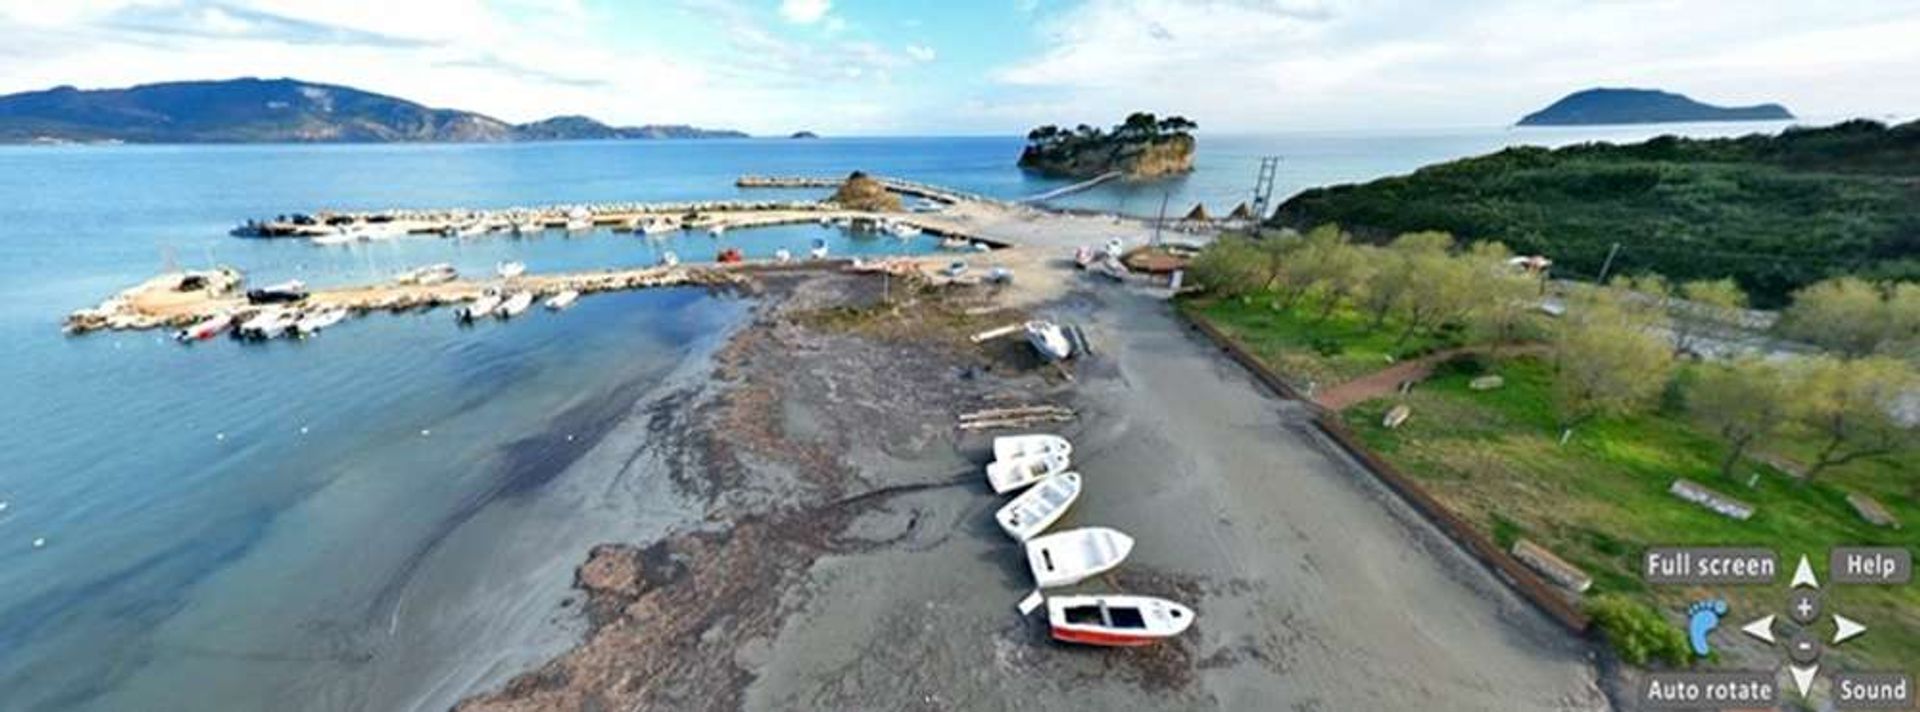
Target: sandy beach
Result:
[847, 558]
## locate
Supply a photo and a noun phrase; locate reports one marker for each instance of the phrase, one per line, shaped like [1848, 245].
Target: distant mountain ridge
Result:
[1643, 106]
[253, 110]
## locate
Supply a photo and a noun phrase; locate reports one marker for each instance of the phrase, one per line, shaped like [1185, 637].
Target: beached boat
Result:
[1039, 507]
[1115, 247]
[562, 300]
[1049, 339]
[510, 269]
[312, 323]
[514, 305]
[292, 290]
[1116, 620]
[1075, 555]
[206, 328]
[1007, 447]
[1016, 473]
[478, 307]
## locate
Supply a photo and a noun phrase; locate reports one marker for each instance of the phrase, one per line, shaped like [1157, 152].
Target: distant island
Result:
[1775, 213]
[1143, 146]
[279, 110]
[1643, 106]
[804, 134]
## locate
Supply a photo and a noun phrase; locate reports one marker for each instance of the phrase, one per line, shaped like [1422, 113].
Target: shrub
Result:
[1637, 632]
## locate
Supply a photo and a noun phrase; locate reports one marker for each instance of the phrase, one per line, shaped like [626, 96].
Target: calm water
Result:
[384, 517]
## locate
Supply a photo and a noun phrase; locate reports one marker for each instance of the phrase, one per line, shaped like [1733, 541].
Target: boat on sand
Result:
[1039, 507]
[1116, 620]
[1009, 475]
[1007, 447]
[1049, 339]
[1075, 555]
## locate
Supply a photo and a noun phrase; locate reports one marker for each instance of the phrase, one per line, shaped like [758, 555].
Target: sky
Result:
[844, 67]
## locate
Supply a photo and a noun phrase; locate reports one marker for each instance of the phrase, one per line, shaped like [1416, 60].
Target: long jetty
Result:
[1071, 189]
[902, 186]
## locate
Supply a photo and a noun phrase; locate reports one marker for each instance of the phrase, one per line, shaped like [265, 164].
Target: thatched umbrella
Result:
[1243, 211]
[1198, 214]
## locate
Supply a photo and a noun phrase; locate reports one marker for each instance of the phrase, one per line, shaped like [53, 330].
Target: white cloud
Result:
[805, 12]
[921, 53]
[1255, 64]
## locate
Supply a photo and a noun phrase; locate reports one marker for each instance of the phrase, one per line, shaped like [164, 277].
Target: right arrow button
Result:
[1845, 629]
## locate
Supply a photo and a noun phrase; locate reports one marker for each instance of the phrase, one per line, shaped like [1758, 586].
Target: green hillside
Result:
[1773, 212]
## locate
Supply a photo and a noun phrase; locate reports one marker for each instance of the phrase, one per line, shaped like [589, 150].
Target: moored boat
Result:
[510, 269]
[1075, 555]
[579, 220]
[477, 308]
[1007, 447]
[292, 290]
[717, 230]
[562, 300]
[514, 305]
[267, 324]
[1009, 475]
[206, 328]
[1049, 340]
[431, 274]
[1116, 620]
[657, 226]
[313, 322]
[1040, 506]
[668, 259]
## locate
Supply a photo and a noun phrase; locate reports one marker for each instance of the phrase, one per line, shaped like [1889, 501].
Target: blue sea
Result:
[385, 516]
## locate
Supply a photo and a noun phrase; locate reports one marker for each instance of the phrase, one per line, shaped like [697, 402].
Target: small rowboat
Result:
[1049, 339]
[1039, 507]
[312, 323]
[1009, 475]
[1116, 620]
[513, 306]
[1075, 555]
[1012, 446]
[562, 300]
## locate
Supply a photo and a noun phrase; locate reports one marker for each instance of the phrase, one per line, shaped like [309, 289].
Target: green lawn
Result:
[1601, 499]
[1306, 349]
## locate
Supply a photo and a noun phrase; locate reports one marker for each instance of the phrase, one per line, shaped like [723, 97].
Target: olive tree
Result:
[1851, 406]
[1851, 316]
[1743, 402]
[1608, 362]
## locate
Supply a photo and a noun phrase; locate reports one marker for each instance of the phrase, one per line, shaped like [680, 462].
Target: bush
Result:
[1637, 632]
[1328, 347]
[1465, 365]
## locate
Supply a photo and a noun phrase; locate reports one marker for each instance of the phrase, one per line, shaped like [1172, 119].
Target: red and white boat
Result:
[1116, 620]
[206, 328]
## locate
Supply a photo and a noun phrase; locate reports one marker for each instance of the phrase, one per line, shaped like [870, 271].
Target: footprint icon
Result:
[1702, 618]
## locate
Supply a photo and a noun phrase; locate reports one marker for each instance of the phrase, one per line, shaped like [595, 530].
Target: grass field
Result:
[1600, 500]
[1306, 349]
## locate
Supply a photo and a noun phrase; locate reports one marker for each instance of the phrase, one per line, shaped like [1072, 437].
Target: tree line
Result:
[1616, 348]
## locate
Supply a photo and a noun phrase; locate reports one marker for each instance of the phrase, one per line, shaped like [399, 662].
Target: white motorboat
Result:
[312, 323]
[267, 324]
[510, 270]
[954, 243]
[782, 255]
[562, 300]
[1039, 507]
[527, 228]
[206, 328]
[1075, 555]
[657, 226]
[337, 238]
[1009, 475]
[900, 229]
[579, 220]
[472, 229]
[668, 259]
[1007, 447]
[1049, 339]
[514, 305]
[478, 307]
[717, 230]
[431, 274]
[819, 250]
[1116, 620]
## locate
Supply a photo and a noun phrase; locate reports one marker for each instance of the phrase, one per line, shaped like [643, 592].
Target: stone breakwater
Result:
[180, 299]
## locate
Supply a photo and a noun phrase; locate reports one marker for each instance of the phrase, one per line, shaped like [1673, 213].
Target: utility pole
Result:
[1608, 265]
